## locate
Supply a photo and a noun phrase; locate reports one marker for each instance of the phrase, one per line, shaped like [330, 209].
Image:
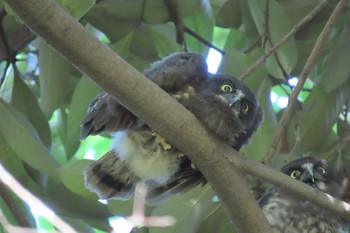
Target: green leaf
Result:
[320, 111]
[298, 9]
[200, 22]
[163, 44]
[122, 46]
[10, 161]
[77, 8]
[149, 12]
[304, 49]
[261, 140]
[237, 41]
[67, 203]
[337, 69]
[102, 224]
[231, 14]
[189, 210]
[54, 78]
[22, 138]
[79, 225]
[279, 26]
[108, 23]
[235, 63]
[24, 101]
[249, 27]
[72, 177]
[121, 208]
[84, 93]
[216, 221]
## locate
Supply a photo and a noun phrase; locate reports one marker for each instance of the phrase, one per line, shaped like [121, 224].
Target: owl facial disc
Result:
[312, 177]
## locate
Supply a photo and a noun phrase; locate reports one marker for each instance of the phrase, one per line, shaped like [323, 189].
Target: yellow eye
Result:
[245, 107]
[321, 170]
[295, 174]
[226, 88]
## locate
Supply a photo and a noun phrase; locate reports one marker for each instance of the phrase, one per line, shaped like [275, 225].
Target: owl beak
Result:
[308, 177]
[235, 99]
[235, 103]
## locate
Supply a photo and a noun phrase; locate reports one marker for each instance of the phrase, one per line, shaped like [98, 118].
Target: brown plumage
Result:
[222, 103]
[288, 213]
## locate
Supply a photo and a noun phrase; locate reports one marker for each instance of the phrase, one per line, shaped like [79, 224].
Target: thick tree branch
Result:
[283, 123]
[150, 103]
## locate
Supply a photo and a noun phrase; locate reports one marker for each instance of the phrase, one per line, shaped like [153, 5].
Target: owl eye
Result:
[226, 88]
[321, 170]
[245, 107]
[295, 174]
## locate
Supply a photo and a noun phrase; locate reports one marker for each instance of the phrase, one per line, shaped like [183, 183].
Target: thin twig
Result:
[204, 41]
[8, 228]
[3, 76]
[296, 28]
[17, 213]
[138, 217]
[175, 16]
[11, 57]
[269, 40]
[302, 78]
[29, 198]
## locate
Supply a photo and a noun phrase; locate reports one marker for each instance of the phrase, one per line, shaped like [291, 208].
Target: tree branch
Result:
[204, 41]
[296, 28]
[283, 123]
[27, 197]
[175, 16]
[178, 126]
[149, 102]
[17, 212]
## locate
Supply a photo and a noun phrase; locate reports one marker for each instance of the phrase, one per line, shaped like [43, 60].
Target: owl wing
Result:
[172, 74]
[106, 114]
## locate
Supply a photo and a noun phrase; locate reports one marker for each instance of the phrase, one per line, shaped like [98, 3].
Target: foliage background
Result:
[43, 98]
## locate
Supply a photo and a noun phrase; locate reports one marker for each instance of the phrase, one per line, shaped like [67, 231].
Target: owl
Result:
[224, 105]
[289, 214]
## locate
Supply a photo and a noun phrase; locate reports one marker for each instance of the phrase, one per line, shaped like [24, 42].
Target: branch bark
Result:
[178, 126]
[283, 123]
[150, 103]
[289, 35]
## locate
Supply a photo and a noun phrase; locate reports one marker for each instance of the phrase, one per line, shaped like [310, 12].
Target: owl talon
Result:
[159, 139]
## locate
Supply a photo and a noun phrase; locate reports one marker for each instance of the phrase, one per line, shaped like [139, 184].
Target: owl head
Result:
[312, 171]
[226, 106]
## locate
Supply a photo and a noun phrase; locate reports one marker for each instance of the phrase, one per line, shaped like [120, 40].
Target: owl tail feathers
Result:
[110, 178]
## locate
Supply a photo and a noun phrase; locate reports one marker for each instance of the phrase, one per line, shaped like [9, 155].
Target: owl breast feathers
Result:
[289, 214]
[224, 105]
